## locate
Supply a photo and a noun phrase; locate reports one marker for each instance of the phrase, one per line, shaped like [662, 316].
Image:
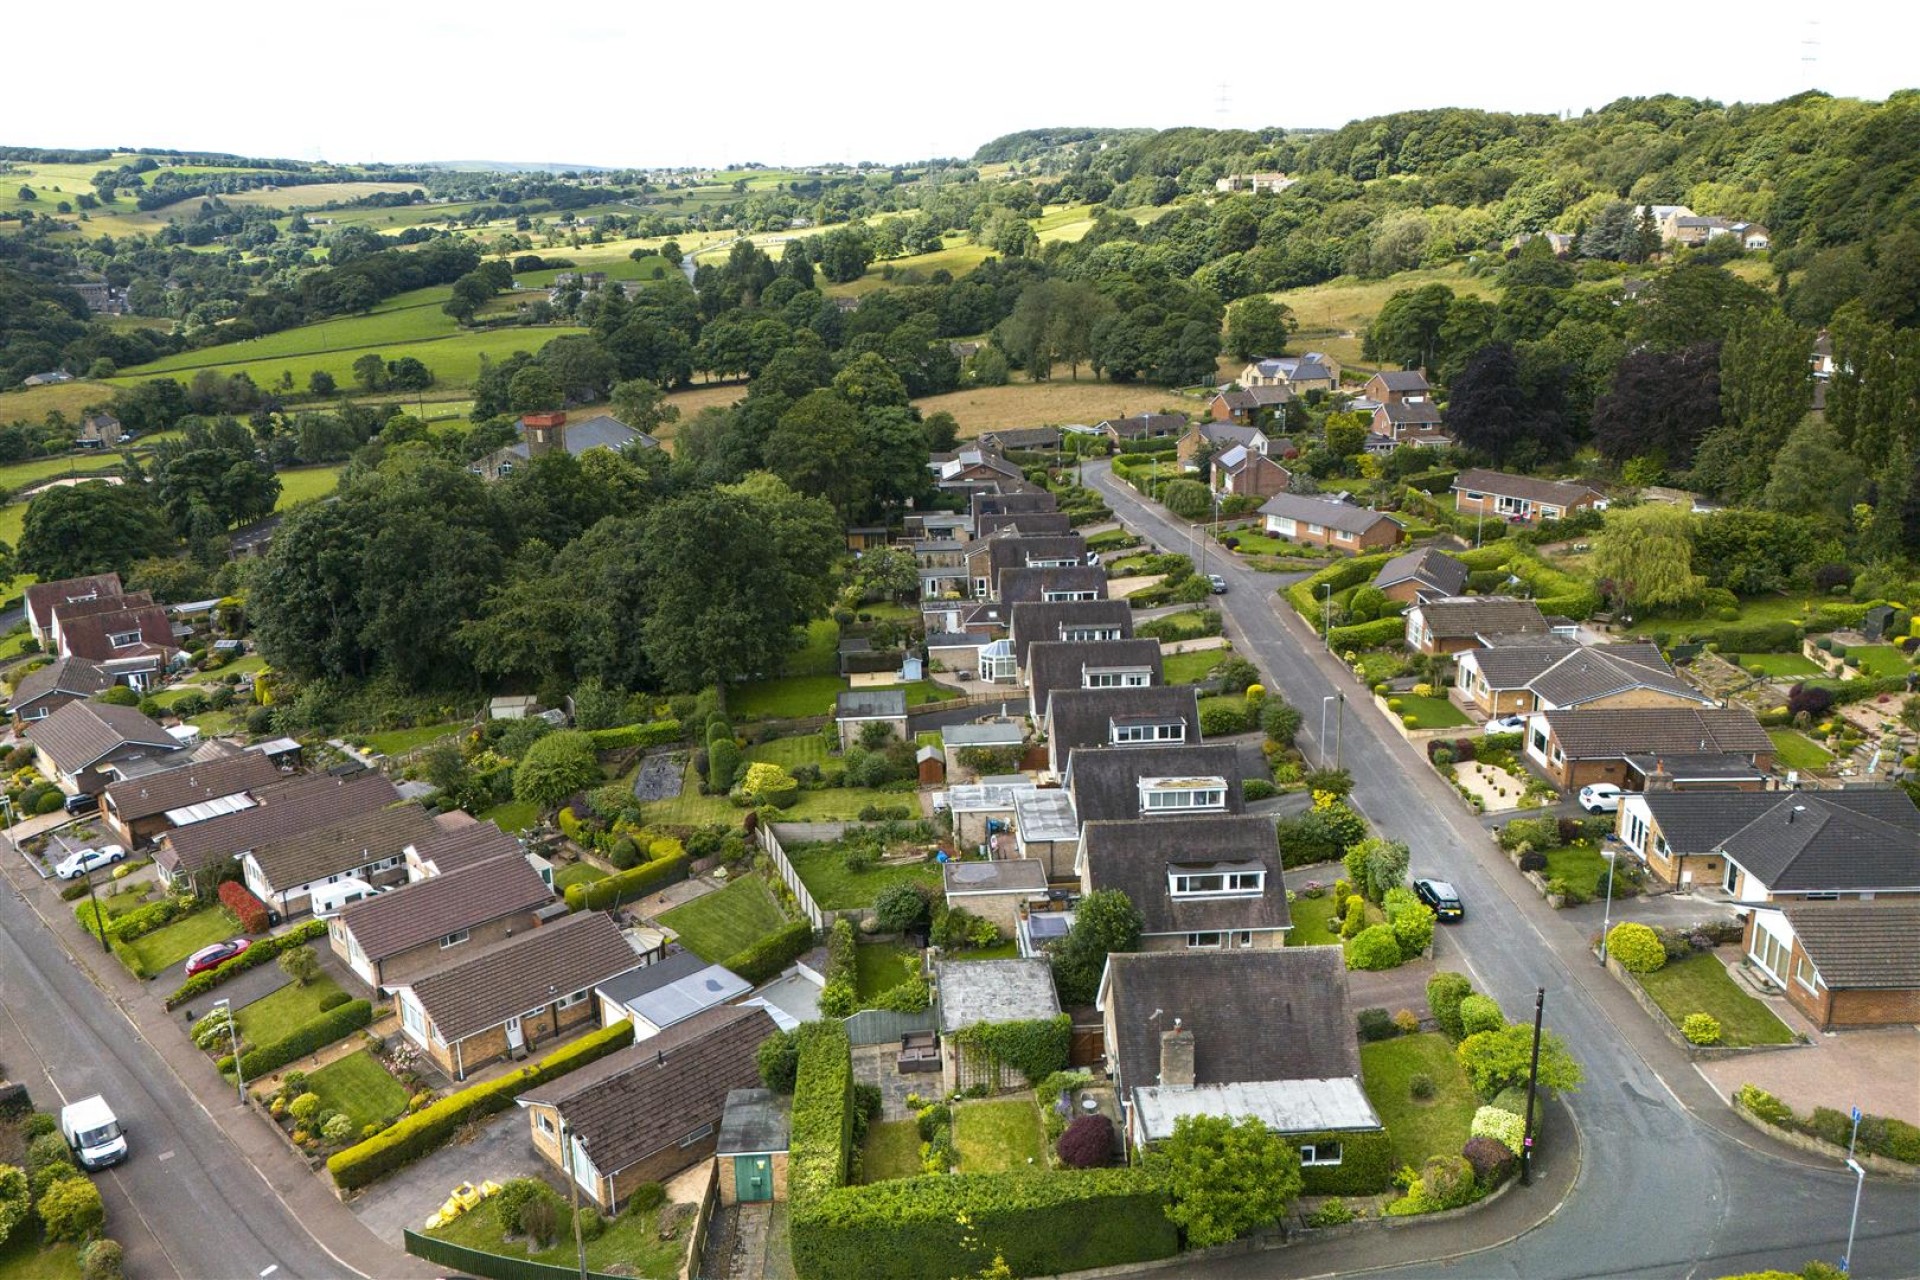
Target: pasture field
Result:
[620, 267]
[1332, 317]
[313, 195]
[956, 257]
[454, 359]
[1032, 404]
[19, 475]
[1068, 222]
[305, 484]
[33, 404]
[405, 317]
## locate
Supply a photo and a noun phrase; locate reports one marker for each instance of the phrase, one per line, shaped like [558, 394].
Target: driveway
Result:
[1876, 1069]
[500, 1150]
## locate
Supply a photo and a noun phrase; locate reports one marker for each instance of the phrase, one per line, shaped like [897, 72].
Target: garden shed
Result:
[971, 992]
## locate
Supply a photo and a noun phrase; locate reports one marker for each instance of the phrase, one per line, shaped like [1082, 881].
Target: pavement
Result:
[1669, 1181]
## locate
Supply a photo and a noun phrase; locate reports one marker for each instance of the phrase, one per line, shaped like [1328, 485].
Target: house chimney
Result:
[1176, 1057]
[1659, 779]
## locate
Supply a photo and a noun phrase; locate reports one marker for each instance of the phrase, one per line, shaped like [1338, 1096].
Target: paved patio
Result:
[875, 1064]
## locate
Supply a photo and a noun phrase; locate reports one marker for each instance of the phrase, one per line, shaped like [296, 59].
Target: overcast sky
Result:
[602, 82]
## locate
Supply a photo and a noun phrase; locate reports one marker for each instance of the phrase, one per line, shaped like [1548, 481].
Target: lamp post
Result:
[1606, 917]
[567, 1140]
[1326, 589]
[99, 922]
[233, 1035]
[1332, 697]
[1533, 1079]
[1339, 729]
[1859, 1184]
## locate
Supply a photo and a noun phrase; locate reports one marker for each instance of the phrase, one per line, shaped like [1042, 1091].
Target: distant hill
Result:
[512, 166]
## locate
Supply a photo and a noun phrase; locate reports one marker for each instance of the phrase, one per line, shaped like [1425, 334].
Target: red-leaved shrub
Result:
[247, 909]
[1087, 1143]
[1492, 1163]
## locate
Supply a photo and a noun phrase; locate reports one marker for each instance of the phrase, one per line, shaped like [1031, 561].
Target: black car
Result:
[1442, 897]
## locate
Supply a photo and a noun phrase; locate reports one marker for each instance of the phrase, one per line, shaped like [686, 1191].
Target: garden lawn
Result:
[631, 1242]
[1878, 661]
[717, 925]
[823, 870]
[357, 1086]
[882, 966]
[1776, 664]
[994, 1137]
[1795, 750]
[792, 697]
[791, 753]
[305, 484]
[1313, 923]
[513, 816]
[239, 666]
[172, 943]
[576, 873]
[1185, 624]
[1438, 1126]
[1580, 865]
[1701, 984]
[892, 1151]
[395, 742]
[1008, 950]
[1192, 668]
[276, 1016]
[24, 1257]
[1430, 713]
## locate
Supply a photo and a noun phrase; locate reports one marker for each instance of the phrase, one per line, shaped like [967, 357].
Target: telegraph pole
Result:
[1533, 1081]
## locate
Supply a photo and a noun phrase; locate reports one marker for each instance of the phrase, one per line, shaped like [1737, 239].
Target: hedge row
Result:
[315, 1034]
[767, 958]
[1305, 595]
[658, 733]
[246, 908]
[258, 954]
[1554, 590]
[1368, 635]
[93, 917]
[415, 1135]
[1035, 1047]
[624, 886]
[1365, 1168]
[821, 1131]
[930, 1228]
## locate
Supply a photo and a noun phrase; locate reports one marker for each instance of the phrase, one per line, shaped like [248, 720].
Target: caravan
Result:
[330, 900]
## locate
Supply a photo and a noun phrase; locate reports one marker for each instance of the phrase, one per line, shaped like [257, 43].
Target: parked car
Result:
[1600, 797]
[94, 1134]
[85, 802]
[212, 957]
[1217, 584]
[1505, 724]
[84, 861]
[1442, 897]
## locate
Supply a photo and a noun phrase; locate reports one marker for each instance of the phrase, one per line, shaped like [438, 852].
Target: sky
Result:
[614, 84]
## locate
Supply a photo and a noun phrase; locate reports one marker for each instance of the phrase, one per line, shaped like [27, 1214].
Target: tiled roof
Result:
[418, 913]
[1254, 1015]
[1457, 617]
[1588, 674]
[77, 676]
[1407, 380]
[1033, 584]
[1137, 857]
[993, 504]
[1343, 516]
[1029, 524]
[1607, 732]
[1142, 425]
[456, 846]
[1059, 664]
[1230, 433]
[296, 805]
[1510, 666]
[82, 733]
[524, 972]
[1861, 944]
[1697, 821]
[1105, 781]
[43, 596]
[1080, 718]
[1551, 492]
[1037, 620]
[1403, 413]
[1025, 437]
[341, 846]
[602, 431]
[1428, 566]
[1804, 844]
[90, 636]
[190, 784]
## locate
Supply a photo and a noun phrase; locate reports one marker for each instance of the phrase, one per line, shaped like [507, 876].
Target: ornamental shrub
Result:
[1763, 1106]
[1375, 1024]
[511, 1198]
[1356, 918]
[71, 1209]
[246, 908]
[1447, 1182]
[1480, 1013]
[15, 1196]
[1533, 860]
[1222, 717]
[647, 1197]
[1504, 1126]
[316, 1033]
[1493, 1163]
[1636, 947]
[1445, 991]
[1087, 1143]
[1374, 948]
[102, 1260]
[337, 1128]
[38, 1182]
[769, 957]
[1701, 1028]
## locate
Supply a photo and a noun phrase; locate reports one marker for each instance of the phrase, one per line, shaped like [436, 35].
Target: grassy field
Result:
[892, 1150]
[170, 944]
[405, 317]
[1438, 1126]
[21, 475]
[631, 1242]
[717, 925]
[994, 1137]
[395, 742]
[1029, 404]
[1795, 750]
[1332, 317]
[956, 256]
[882, 966]
[32, 404]
[276, 1016]
[1878, 661]
[514, 816]
[359, 1087]
[305, 484]
[823, 870]
[1701, 984]
[1313, 923]
[1430, 713]
[1191, 668]
[1776, 665]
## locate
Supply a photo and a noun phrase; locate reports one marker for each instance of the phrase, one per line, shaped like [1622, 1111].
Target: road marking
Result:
[164, 1156]
[270, 1270]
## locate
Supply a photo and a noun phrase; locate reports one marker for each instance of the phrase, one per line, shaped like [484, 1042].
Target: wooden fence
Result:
[768, 836]
[884, 1026]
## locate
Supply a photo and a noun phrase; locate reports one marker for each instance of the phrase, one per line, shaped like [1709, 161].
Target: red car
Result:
[216, 955]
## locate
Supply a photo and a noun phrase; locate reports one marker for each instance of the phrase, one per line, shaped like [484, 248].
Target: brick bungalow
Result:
[1453, 624]
[1080, 621]
[371, 847]
[1478, 491]
[45, 690]
[1428, 573]
[1578, 747]
[1329, 522]
[1075, 582]
[298, 804]
[421, 926]
[1851, 964]
[1510, 680]
[1680, 833]
[1217, 436]
[141, 809]
[1211, 884]
[1246, 406]
[79, 744]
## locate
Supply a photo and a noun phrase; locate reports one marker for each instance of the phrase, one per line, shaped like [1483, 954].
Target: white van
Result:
[94, 1134]
[330, 899]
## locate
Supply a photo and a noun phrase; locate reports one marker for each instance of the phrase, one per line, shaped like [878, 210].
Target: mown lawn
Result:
[576, 873]
[1313, 922]
[882, 966]
[1701, 984]
[393, 742]
[306, 484]
[892, 1150]
[170, 944]
[828, 804]
[791, 753]
[1878, 661]
[1438, 1126]
[823, 870]
[1795, 750]
[726, 922]
[1580, 865]
[359, 1087]
[276, 1016]
[792, 697]
[25, 1256]
[630, 1242]
[994, 1137]
[512, 817]
[1192, 668]
[1776, 665]
[1429, 713]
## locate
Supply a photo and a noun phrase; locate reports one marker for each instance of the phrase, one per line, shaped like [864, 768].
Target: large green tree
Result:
[1814, 475]
[1258, 326]
[555, 767]
[1225, 1179]
[1645, 556]
[93, 527]
[1765, 390]
[1496, 1060]
[815, 448]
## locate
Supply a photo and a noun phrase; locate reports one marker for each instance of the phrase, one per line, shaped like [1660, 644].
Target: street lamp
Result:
[1859, 1184]
[1332, 697]
[1606, 917]
[233, 1033]
[1326, 589]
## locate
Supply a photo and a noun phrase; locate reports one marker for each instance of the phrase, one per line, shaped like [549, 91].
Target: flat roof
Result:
[1046, 815]
[1284, 1106]
[1012, 875]
[974, 796]
[1004, 734]
[972, 991]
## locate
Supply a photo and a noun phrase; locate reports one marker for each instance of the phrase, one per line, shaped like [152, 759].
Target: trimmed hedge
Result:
[1036, 1047]
[625, 886]
[1365, 1168]
[246, 908]
[315, 1034]
[133, 924]
[1369, 635]
[765, 959]
[929, 1228]
[821, 1132]
[1304, 595]
[258, 954]
[658, 733]
[414, 1136]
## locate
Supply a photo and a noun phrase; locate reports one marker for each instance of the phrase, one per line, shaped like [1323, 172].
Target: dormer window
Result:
[1182, 795]
[1115, 677]
[1052, 562]
[1089, 634]
[1130, 732]
[1054, 596]
[123, 639]
[1220, 880]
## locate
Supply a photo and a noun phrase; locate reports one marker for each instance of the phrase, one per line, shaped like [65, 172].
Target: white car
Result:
[87, 860]
[1505, 724]
[1601, 797]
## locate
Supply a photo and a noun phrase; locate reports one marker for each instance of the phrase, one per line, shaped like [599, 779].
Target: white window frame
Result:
[1232, 884]
[567, 1002]
[1191, 799]
[413, 1018]
[698, 1135]
[1315, 530]
[1210, 940]
[1315, 1153]
[1171, 731]
[546, 1124]
[454, 939]
[123, 639]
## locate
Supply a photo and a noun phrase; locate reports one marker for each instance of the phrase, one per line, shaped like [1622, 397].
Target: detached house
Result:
[1139, 716]
[1125, 783]
[1578, 747]
[79, 744]
[1313, 371]
[1111, 664]
[1451, 624]
[1681, 834]
[1207, 885]
[1412, 424]
[1396, 386]
[1477, 491]
[1239, 472]
[1250, 405]
[140, 809]
[1217, 437]
[371, 848]
[1329, 522]
[41, 598]
[1142, 426]
[1846, 964]
[543, 433]
[44, 690]
[1426, 574]
[186, 854]
[1513, 680]
[1052, 585]
[420, 926]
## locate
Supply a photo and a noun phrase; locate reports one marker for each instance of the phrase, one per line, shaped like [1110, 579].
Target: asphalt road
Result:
[1665, 1189]
[185, 1203]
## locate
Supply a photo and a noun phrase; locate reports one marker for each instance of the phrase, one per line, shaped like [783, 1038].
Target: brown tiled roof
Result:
[191, 784]
[433, 908]
[1255, 1015]
[1461, 616]
[341, 846]
[1137, 858]
[1606, 732]
[70, 611]
[1861, 944]
[296, 805]
[1551, 492]
[89, 637]
[76, 676]
[497, 982]
[452, 848]
[43, 596]
[82, 733]
[1428, 566]
[632, 1103]
[1587, 674]
[1032, 584]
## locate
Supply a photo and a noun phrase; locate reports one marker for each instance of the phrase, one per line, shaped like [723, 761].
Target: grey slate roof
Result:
[1429, 566]
[1104, 781]
[1860, 944]
[1081, 718]
[1141, 426]
[82, 733]
[1457, 617]
[1229, 432]
[1510, 666]
[1136, 858]
[296, 805]
[1606, 732]
[1024, 437]
[870, 704]
[190, 784]
[1255, 1015]
[1504, 484]
[649, 1095]
[1035, 620]
[1057, 664]
[754, 1123]
[991, 504]
[1803, 844]
[341, 846]
[1591, 673]
[1405, 380]
[1404, 414]
[1031, 524]
[1017, 585]
[1343, 516]
[971, 991]
[418, 913]
[76, 676]
[488, 986]
[1697, 821]
[1005, 551]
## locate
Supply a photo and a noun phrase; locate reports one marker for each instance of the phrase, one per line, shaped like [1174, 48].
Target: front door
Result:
[753, 1178]
[514, 1039]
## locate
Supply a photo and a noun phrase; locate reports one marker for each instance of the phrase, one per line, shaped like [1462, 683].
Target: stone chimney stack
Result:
[1176, 1057]
[1659, 779]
